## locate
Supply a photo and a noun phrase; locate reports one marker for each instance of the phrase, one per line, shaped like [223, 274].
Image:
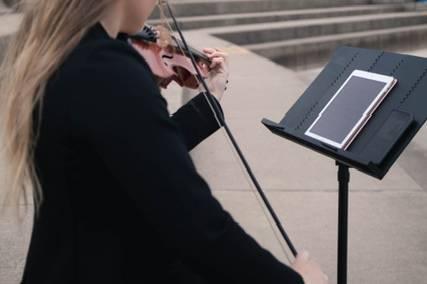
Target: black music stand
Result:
[385, 136]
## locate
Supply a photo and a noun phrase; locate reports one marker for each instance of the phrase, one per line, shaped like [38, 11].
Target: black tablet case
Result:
[393, 124]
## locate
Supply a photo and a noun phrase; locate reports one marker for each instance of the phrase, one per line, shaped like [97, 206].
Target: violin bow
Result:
[221, 121]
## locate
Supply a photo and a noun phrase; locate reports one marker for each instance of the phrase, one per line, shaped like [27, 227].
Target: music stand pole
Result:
[343, 181]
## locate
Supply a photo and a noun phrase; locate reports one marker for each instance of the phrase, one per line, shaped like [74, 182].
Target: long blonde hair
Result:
[49, 31]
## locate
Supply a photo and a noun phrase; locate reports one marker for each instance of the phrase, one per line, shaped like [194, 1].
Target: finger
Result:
[218, 61]
[223, 56]
[213, 49]
[209, 50]
[218, 54]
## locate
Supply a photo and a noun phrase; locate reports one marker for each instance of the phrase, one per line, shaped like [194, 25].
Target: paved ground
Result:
[388, 232]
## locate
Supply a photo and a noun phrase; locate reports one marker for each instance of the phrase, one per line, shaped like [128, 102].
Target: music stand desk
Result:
[385, 136]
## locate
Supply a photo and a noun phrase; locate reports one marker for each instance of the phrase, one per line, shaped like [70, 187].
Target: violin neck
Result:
[196, 53]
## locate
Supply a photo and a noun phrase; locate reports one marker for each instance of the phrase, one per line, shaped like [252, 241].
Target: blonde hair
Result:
[49, 31]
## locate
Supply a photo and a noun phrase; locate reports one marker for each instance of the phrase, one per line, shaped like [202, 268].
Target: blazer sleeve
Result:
[124, 118]
[196, 120]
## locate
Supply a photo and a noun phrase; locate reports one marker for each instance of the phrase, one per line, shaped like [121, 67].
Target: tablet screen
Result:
[346, 110]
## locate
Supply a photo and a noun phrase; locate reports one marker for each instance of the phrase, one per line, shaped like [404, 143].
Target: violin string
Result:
[216, 111]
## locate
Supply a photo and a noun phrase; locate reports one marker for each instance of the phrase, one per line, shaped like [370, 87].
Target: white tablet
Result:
[350, 108]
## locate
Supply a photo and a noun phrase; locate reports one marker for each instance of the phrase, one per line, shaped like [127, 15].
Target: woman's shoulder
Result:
[102, 64]
[105, 53]
[102, 70]
[103, 77]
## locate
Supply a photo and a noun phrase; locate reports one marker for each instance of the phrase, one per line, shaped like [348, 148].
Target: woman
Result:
[118, 199]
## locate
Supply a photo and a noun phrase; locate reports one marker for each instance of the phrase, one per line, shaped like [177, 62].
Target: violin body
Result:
[169, 62]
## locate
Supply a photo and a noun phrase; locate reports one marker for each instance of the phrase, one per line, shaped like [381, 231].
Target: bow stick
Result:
[221, 121]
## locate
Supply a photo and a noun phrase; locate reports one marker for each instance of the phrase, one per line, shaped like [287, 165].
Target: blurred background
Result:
[277, 48]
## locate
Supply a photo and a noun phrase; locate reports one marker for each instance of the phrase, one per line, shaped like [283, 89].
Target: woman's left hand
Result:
[219, 72]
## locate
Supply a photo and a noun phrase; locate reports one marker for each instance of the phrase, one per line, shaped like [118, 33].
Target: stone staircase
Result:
[301, 35]
[186, 8]
[295, 33]
[209, 21]
[4, 27]
[3, 8]
[306, 43]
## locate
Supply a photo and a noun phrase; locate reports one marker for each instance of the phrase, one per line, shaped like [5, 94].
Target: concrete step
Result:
[422, 6]
[3, 8]
[208, 21]
[8, 25]
[312, 52]
[262, 33]
[186, 8]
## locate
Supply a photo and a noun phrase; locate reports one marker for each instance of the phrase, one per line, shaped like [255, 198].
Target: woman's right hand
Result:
[309, 270]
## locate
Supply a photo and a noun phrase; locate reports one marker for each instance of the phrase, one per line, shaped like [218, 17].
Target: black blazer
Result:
[123, 202]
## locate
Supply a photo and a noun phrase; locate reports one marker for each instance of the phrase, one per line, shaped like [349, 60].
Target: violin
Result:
[168, 58]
